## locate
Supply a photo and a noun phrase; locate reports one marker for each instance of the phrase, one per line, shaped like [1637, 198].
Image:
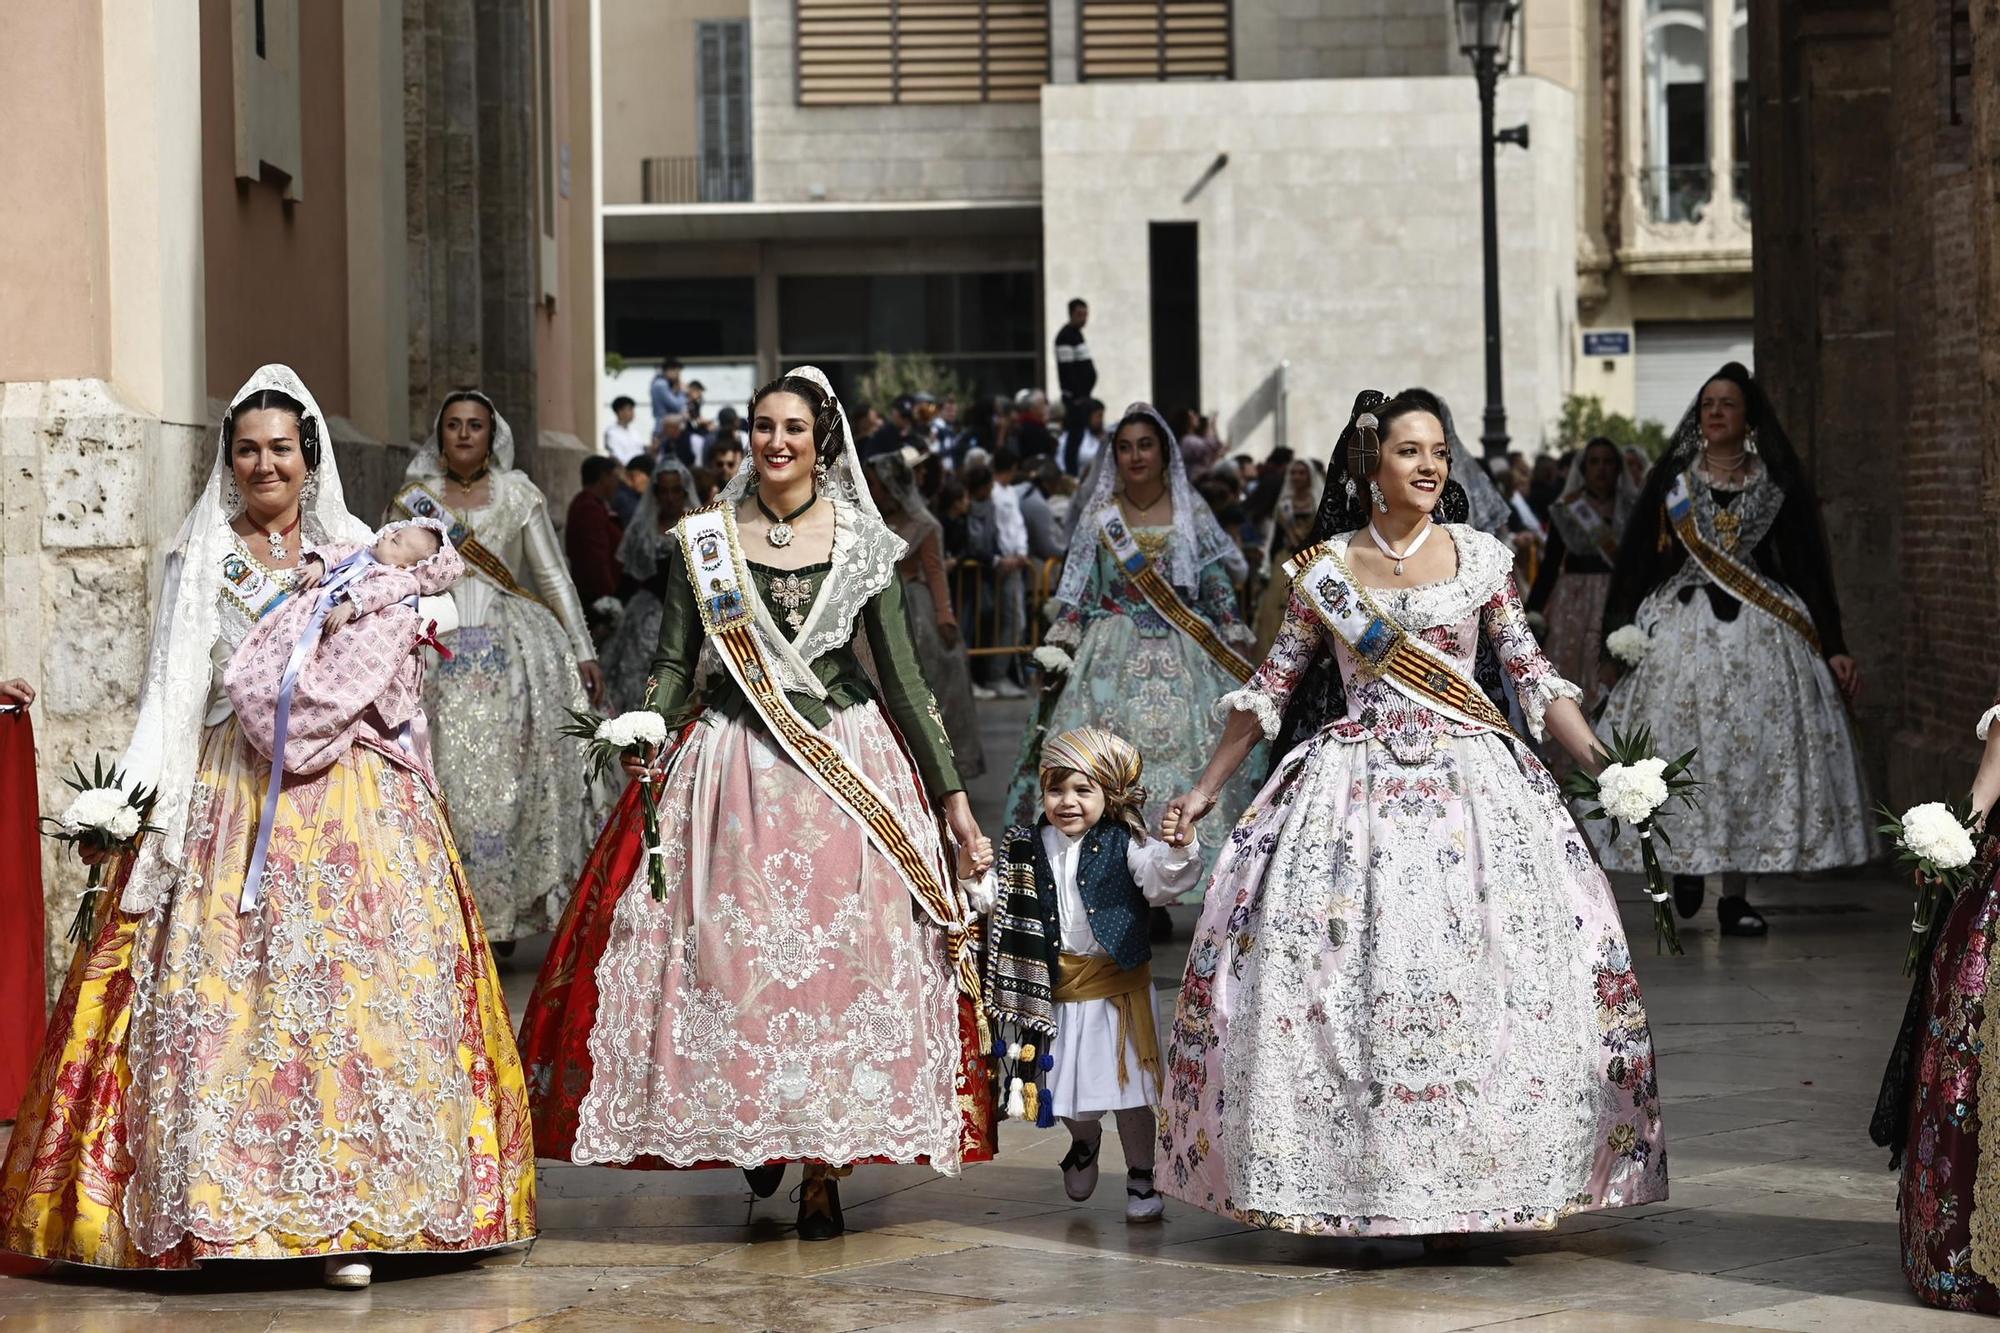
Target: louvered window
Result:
[722, 103]
[859, 52]
[1153, 39]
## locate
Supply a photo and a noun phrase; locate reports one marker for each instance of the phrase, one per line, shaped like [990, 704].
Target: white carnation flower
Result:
[1053, 660]
[97, 809]
[1933, 833]
[124, 825]
[1629, 644]
[641, 727]
[609, 607]
[1632, 793]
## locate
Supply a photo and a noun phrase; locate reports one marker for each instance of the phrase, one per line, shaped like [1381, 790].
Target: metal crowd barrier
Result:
[970, 600]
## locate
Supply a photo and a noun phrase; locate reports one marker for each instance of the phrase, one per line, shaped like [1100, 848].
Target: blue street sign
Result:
[1608, 343]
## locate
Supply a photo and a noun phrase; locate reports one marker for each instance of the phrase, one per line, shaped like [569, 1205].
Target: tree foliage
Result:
[1584, 418]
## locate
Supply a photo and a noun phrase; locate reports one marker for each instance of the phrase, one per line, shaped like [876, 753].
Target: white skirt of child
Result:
[1084, 1079]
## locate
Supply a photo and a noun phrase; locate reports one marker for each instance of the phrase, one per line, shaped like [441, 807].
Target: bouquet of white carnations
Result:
[105, 820]
[608, 610]
[1053, 660]
[1634, 788]
[606, 742]
[1935, 841]
[1629, 645]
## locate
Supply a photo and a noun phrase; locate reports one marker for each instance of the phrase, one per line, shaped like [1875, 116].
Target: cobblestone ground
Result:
[1782, 1214]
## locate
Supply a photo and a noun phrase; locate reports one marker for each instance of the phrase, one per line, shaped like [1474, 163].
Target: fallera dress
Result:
[1409, 1006]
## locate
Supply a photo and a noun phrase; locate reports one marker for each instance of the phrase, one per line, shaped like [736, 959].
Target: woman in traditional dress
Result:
[1932, 1111]
[1291, 528]
[1409, 1008]
[628, 653]
[803, 990]
[328, 1072]
[1724, 567]
[1585, 524]
[927, 597]
[1147, 610]
[522, 657]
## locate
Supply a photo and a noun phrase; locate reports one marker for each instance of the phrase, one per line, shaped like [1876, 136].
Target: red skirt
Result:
[23, 1000]
[555, 1029]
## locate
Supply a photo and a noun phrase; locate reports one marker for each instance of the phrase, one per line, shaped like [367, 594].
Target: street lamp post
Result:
[1485, 33]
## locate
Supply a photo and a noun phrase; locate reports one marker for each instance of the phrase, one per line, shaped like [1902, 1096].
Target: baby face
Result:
[407, 546]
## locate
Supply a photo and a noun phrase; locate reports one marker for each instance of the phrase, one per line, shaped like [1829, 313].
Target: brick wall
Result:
[1875, 314]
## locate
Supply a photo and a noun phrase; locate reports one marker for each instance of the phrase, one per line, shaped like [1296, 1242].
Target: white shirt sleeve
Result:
[1010, 528]
[1164, 872]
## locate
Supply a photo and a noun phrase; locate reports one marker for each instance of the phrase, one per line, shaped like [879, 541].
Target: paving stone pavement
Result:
[1782, 1214]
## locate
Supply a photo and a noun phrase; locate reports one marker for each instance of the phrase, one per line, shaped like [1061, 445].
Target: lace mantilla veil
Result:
[640, 548]
[166, 742]
[844, 480]
[1198, 539]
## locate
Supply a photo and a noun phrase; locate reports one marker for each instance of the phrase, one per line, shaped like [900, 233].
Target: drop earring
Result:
[1381, 500]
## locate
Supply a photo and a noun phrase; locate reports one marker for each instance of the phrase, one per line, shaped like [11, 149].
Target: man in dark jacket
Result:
[1076, 373]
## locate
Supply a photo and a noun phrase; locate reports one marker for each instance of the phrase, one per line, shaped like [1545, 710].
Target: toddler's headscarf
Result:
[1112, 762]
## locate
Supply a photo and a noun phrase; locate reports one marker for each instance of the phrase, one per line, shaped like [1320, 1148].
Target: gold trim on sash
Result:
[417, 502]
[1382, 647]
[1734, 577]
[1118, 539]
[708, 542]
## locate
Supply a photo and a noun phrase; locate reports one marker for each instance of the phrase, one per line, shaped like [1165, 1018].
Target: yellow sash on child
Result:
[1082, 976]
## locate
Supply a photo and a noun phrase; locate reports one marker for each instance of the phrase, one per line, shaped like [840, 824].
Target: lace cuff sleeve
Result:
[1270, 688]
[1270, 717]
[1536, 682]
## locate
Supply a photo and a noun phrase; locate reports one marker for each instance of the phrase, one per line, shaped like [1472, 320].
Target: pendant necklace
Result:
[780, 534]
[277, 539]
[1400, 556]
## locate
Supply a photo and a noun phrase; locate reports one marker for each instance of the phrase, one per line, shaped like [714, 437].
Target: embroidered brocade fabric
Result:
[1409, 1005]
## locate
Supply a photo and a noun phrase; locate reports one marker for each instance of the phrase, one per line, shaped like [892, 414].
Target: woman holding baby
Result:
[318, 1064]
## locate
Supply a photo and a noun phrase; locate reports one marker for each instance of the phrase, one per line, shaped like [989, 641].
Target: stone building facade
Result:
[365, 189]
[1878, 333]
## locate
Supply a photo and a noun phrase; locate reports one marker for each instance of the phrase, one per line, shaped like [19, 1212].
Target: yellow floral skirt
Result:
[332, 1073]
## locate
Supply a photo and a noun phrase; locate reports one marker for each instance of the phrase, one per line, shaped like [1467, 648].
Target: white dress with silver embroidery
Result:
[1409, 1005]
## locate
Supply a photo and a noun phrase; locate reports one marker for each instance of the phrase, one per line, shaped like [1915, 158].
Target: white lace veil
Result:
[1198, 539]
[894, 472]
[166, 743]
[844, 481]
[1628, 489]
[640, 548]
[429, 460]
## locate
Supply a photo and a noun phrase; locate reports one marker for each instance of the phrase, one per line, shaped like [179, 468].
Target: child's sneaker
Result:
[1079, 1168]
[1142, 1202]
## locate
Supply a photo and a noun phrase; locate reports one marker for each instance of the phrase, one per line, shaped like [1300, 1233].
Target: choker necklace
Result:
[277, 539]
[1138, 508]
[467, 483]
[780, 534]
[1400, 556]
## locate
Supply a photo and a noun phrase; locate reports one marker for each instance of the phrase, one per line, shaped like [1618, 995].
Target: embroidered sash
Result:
[722, 587]
[251, 585]
[1592, 527]
[1383, 647]
[1736, 577]
[1165, 600]
[417, 501]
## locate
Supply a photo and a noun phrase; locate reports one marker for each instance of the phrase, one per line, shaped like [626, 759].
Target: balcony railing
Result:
[693, 180]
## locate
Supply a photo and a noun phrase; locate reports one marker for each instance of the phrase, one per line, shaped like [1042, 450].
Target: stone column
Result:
[103, 412]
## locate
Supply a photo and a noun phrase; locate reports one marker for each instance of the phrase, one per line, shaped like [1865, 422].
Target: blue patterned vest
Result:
[1119, 916]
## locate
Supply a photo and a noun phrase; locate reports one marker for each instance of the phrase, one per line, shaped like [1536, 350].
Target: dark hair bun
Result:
[829, 433]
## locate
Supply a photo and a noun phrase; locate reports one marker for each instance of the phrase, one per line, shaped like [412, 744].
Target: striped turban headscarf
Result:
[1110, 761]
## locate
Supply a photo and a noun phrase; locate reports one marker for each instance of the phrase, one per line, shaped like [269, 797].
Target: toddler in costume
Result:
[1070, 985]
[337, 662]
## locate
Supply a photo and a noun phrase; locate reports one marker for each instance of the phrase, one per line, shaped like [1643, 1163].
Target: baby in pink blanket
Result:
[347, 644]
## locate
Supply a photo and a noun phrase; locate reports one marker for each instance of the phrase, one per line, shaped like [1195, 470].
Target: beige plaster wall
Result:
[54, 264]
[1343, 236]
[649, 84]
